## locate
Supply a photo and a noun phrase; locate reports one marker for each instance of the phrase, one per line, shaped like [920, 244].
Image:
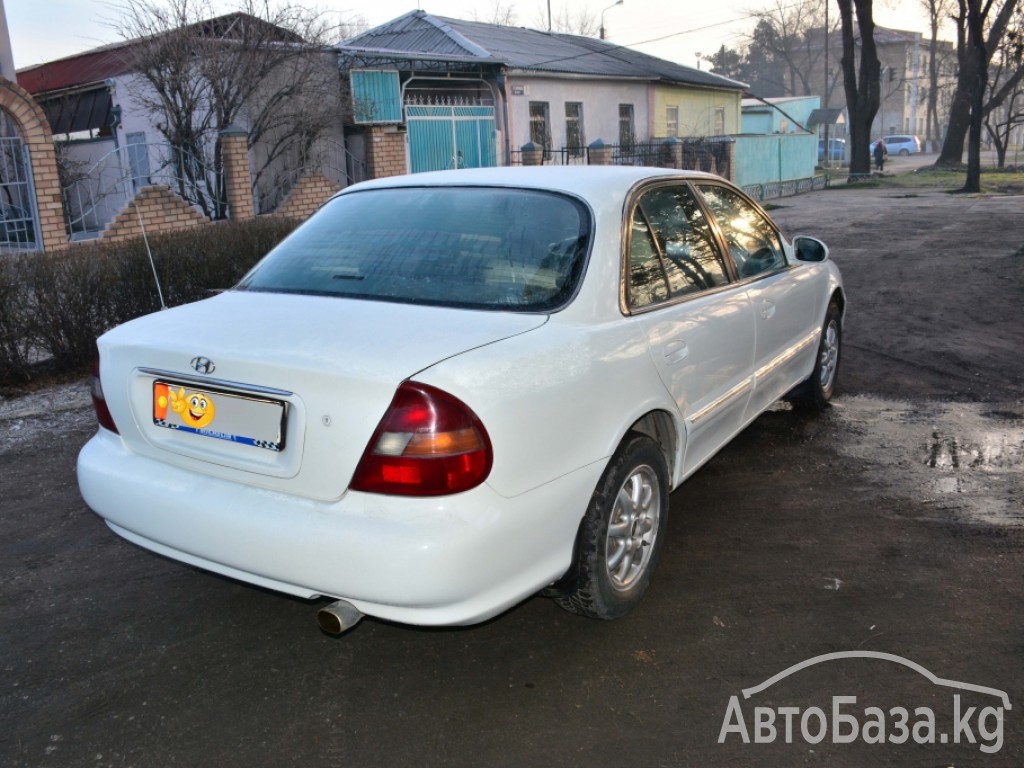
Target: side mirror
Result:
[809, 249]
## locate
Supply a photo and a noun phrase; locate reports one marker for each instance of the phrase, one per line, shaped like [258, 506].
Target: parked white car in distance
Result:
[902, 145]
[445, 392]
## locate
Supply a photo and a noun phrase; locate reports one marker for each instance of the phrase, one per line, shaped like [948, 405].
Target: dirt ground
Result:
[893, 524]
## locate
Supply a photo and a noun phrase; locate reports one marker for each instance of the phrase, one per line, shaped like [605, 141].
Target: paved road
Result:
[893, 524]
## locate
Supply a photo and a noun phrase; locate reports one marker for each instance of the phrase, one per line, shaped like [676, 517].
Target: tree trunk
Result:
[933, 84]
[952, 153]
[861, 84]
[979, 61]
[1001, 142]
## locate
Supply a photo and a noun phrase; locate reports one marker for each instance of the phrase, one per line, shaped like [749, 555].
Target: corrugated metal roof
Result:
[417, 32]
[528, 49]
[88, 67]
[117, 58]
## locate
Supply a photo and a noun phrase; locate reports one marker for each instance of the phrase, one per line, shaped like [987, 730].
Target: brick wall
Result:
[308, 195]
[235, 151]
[35, 132]
[161, 210]
[385, 152]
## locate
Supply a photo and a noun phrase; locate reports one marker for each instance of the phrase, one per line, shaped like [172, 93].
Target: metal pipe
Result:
[338, 617]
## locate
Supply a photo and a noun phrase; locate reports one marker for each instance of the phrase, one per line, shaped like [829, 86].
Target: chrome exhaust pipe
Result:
[340, 616]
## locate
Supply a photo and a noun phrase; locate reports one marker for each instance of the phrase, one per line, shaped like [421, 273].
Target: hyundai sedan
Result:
[446, 392]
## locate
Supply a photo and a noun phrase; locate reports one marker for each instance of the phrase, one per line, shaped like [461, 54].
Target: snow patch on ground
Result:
[52, 412]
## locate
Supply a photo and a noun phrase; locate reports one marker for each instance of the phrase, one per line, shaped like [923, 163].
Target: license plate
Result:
[237, 418]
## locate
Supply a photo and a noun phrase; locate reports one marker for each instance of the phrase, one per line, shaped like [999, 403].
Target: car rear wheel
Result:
[904, 153]
[818, 389]
[621, 534]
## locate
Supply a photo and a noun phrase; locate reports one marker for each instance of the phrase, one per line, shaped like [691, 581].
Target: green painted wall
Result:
[781, 157]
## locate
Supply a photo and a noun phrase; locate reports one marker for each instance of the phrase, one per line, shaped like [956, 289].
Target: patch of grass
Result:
[993, 180]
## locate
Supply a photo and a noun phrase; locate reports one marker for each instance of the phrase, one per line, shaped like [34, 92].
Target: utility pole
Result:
[618, 2]
[828, 147]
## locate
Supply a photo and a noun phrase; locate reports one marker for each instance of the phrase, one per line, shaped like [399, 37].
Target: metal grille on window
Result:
[540, 126]
[18, 224]
[672, 121]
[627, 134]
[575, 139]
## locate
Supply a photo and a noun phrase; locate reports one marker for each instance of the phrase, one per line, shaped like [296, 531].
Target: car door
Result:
[698, 322]
[785, 297]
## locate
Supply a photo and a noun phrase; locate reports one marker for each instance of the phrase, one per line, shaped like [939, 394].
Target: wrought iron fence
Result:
[695, 153]
[95, 192]
[277, 176]
[563, 156]
[774, 189]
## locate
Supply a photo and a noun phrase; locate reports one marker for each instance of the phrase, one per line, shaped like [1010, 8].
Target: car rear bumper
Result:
[449, 560]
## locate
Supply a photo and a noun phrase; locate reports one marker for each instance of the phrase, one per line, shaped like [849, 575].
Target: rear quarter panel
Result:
[556, 399]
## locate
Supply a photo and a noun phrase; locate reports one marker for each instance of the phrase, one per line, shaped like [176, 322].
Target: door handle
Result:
[675, 351]
[767, 309]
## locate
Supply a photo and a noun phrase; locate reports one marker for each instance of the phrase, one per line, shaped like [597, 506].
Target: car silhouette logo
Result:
[203, 365]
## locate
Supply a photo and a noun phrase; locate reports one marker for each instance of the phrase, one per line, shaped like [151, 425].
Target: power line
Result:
[611, 48]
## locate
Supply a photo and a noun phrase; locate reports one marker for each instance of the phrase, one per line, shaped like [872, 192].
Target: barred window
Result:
[575, 139]
[672, 121]
[540, 125]
[627, 131]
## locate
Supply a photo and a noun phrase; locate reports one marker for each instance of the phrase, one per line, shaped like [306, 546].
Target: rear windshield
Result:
[474, 247]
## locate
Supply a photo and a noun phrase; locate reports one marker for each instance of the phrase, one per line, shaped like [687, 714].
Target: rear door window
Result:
[672, 250]
[753, 241]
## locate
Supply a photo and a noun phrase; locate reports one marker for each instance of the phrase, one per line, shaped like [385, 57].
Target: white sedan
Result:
[446, 392]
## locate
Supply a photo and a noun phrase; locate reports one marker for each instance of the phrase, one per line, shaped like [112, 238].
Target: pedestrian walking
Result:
[880, 154]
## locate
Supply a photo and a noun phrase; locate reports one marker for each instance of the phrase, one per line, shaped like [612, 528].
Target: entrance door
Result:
[443, 137]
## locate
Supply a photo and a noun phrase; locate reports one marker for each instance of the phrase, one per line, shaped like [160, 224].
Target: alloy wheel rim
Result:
[829, 356]
[633, 528]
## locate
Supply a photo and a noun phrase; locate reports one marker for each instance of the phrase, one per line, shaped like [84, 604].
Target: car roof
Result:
[582, 180]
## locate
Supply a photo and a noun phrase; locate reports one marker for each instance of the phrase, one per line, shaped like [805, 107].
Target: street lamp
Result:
[619, 2]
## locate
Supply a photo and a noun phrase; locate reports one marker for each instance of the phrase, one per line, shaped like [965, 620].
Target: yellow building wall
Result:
[697, 111]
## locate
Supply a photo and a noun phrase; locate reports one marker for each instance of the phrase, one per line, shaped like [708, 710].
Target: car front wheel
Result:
[621, 534]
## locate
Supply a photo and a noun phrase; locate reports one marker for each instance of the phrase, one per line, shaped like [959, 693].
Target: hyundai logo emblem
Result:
[203, 365]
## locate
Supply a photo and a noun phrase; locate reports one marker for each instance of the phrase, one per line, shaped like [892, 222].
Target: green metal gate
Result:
[442, 137]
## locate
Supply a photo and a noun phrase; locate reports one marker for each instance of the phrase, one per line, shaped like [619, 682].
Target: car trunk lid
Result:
[296, 384]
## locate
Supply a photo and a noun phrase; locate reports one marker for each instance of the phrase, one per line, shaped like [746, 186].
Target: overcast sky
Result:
[678, 30]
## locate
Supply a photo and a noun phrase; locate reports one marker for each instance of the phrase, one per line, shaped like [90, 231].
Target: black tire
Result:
[816, 392]
[626, 518]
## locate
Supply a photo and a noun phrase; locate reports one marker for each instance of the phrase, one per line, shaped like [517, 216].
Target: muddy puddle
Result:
[961, 460]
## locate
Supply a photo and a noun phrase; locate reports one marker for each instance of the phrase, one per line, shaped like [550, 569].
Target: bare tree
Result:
[980, 27]
[1004, 70]
[580, 22]
[501, 13]
[351, 25]
[262, 68]
[861, 81]
[797, 39]
[938, 11]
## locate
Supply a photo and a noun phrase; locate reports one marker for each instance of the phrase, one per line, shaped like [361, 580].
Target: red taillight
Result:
[428, 444]
[99, 403]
